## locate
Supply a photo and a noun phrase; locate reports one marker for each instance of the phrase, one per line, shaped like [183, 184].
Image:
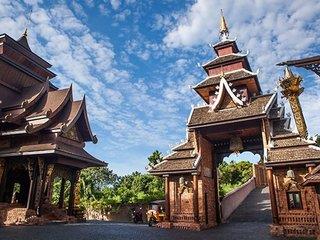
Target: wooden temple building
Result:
[236, 117]
[43, 131]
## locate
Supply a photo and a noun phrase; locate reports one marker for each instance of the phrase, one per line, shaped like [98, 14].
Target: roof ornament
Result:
[23, 40]
[291, 89]
[224, 86]
[224, 31]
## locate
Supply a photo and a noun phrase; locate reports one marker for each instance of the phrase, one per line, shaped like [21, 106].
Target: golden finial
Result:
[224, 31]
[288, 73]
[291, 89]
[290, 83]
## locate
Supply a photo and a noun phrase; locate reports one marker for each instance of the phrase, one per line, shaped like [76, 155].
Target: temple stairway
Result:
[255, 208]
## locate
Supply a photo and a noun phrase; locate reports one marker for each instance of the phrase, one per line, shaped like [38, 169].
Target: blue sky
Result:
[135, 60]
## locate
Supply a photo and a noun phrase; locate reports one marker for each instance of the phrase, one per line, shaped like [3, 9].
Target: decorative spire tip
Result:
[224, 31]
[25, 33]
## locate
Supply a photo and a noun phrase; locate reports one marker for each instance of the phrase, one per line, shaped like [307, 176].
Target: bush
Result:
[233, 175]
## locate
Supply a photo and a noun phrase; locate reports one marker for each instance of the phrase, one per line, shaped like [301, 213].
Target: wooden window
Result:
[294, 200]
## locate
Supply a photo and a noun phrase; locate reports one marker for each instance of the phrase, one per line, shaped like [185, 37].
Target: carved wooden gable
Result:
[72, 134]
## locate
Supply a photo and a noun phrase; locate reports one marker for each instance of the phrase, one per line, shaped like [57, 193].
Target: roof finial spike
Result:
[287, 72]
[224, 31]
[25, 33]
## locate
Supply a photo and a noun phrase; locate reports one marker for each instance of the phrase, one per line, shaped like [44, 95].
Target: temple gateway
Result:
[43, 131]
[236, 117]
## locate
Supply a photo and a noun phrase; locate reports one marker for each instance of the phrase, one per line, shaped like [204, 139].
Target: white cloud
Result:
[115, 4]
[273, 31]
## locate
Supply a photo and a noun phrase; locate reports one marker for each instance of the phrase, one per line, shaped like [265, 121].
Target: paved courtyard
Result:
[250, 221]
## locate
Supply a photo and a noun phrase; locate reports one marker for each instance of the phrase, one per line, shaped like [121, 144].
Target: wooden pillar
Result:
[310, 167]
[195, 197]
[2, 166]
[31, 170]
[71, 197]
[61, 195]
[40, 184]
[272, 196]
[167, 197]
[74, 181]
[265, 138]
[2, 179]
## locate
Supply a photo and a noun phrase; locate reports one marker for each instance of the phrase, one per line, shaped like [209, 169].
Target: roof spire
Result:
[25, 34]
[224, 31]
[23, 40]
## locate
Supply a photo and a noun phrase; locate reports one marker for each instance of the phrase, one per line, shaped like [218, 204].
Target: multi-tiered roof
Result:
[232, 94]
[37, 118]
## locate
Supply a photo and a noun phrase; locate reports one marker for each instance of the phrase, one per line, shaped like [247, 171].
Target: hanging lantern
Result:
[236, 145]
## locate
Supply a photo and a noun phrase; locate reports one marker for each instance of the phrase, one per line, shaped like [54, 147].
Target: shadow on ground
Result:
[250, 221]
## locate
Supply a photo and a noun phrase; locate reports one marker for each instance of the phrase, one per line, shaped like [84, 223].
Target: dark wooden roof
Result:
[58, 148]
[226, 43]
[223, 60]
[172, 166]
[313, 177]
[182, 159]
[230, 76]
[256, 109]
[287, 146]
[310, 63]
[294, 153]
[36, 119]
[301, 62]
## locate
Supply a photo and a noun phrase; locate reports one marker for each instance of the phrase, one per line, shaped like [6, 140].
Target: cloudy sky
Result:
[135, 60]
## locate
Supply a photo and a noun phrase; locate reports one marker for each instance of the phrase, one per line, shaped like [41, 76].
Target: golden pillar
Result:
[291, 89]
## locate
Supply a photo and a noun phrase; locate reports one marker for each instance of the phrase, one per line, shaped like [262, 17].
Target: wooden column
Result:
[2, 178]
[310, 167]
[167, 197]
[2, 166]
[40, 185]
[265, 138]
[195, 197]
[61, 195]
[31, 170]
[272, 196]
[74, 180]
[71, 197]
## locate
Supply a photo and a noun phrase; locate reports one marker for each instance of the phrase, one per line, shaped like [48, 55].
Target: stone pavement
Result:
[249, 221]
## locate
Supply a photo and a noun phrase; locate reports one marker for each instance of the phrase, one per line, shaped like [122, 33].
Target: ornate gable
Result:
[226, 97]
[72, 134]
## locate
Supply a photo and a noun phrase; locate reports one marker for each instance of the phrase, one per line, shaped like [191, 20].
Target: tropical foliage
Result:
[115, 191]
[103, 190]
[233, 174]
[155, 158]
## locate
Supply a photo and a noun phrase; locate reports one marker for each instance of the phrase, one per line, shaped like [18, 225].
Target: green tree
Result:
[155, 158]
[138, 188]
[93, 180]
[233, 174]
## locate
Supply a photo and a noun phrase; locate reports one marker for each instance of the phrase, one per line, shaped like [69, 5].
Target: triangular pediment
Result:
[226, 97]
[227, 102]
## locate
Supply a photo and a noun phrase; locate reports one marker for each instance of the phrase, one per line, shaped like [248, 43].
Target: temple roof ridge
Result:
[239, 54]
[226, 74]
